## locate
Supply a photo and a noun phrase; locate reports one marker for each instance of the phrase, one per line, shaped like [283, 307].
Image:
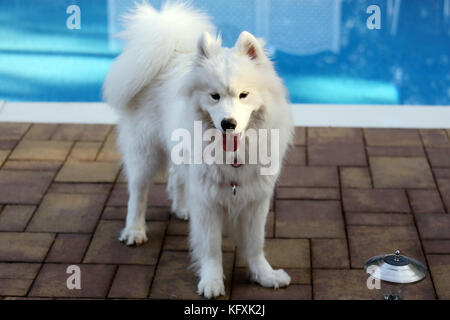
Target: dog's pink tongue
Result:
[231, 141]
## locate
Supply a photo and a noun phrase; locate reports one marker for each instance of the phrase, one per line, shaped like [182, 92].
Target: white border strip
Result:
[308, 115]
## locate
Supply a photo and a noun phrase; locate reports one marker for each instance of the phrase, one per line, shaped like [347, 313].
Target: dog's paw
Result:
[133, 237]
[272, 279]
[211, 288]
[182, 214]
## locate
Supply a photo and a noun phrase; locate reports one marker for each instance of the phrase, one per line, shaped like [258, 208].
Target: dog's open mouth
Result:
[230, 143]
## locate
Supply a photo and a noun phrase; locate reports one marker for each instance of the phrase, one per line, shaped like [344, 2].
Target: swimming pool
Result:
[322, 49]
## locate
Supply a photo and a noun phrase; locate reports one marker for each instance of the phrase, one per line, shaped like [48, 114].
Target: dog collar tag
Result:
[233, 188]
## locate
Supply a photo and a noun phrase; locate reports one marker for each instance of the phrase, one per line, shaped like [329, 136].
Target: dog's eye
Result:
[215, 96]
[243, 95]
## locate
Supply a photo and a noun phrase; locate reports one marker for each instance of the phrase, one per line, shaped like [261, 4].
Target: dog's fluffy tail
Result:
[151, 38]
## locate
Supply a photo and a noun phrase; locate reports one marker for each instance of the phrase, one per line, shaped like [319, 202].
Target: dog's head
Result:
[229, 84]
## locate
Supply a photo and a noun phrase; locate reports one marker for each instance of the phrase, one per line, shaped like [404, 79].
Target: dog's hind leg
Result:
[140, 172]
[176, 188]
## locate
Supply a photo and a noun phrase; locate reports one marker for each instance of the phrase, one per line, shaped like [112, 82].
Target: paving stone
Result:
[283, 253]
[8, 145]
[329, 253]
[175, 280]
[61, 212]
[243, 289]
[81, 132]
[444, 187]
[19, 270]
[300, 136]
[435, 138]
[298, 176]
[41, 131]
[440, 270]
[307, 193]
[378, 201]
[88, 172]
[3, 156]
[16, 278]
[152, 214]
[157, 196]
[369, 241]
[24, 247]
[15, 218]
[132, 282]
[434, 225]
[378, 219]
[436, 246]
[296, 156]
[347, 284]
[299, 275]
[392, 172]
[181, 243]
[69, 248]
[392, 137]
[52, 166]
[270, 225]
[14, 287]
[343, 284]
[110, 152]
[355, 177]
[395, 151]
[85, 151]
[425, 201]
[106, 248]
[160, 178]
[13, 131]
[81, 188]
[309, 219]
[52, 281]
[41, 150]
[345, 154]
[178, 227]
[23, 187]
[439, 157]
[442, 173]
[334, 135]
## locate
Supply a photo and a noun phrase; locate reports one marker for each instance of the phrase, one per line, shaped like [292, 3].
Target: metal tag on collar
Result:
[233, 188]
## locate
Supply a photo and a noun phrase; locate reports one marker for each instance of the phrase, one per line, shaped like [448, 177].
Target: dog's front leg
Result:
[252, 227]
[138, 186]
[206, 246]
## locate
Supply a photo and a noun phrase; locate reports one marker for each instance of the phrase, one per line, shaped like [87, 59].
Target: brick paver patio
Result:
[346, 195]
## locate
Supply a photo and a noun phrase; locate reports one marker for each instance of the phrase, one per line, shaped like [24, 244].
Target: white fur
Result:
[161, 82]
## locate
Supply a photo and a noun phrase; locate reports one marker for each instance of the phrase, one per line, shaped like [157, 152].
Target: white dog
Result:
[172, 73]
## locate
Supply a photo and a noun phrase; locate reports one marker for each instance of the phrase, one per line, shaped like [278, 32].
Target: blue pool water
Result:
[322, 48]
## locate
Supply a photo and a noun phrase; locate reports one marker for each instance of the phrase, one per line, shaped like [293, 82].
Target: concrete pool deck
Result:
[346, 194]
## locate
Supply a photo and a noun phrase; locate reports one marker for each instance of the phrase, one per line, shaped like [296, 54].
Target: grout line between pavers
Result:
[233, 269]
[15, 145]
[366, 151]
[311, 273]
[414, 216]
[344, 217]
[421, 245]
[104, 142]
[32, 216]
[159, 259]
[116, 270]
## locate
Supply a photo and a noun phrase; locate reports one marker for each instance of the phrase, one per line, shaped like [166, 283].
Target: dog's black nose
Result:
[228, 124]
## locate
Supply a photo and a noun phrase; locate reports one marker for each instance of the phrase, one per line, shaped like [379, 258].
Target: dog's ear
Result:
[208, 46]
[248, 45]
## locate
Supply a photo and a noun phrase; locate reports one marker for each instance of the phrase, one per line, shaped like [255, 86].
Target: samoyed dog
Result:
[172, 74]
